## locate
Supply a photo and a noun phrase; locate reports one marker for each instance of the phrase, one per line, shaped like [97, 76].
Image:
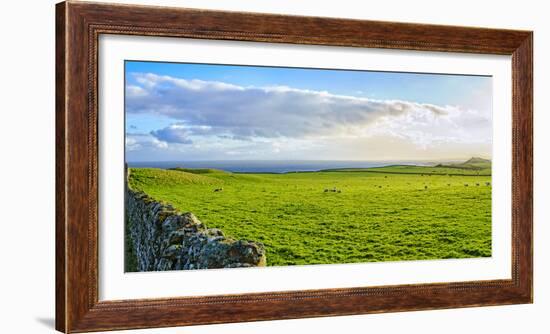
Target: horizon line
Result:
[312, 160]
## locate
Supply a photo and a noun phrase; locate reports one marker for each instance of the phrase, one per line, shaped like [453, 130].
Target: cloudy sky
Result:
[184, 112]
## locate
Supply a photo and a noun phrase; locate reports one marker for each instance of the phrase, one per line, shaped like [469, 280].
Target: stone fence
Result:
[165, 239]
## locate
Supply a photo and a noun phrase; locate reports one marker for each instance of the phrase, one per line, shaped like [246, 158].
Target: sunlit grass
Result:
[380, 214]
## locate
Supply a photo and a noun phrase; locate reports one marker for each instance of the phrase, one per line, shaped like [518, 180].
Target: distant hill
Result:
[473, 163]
[475, 160]
[472, 166]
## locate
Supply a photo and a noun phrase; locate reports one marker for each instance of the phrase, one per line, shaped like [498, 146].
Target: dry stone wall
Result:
[165, 239]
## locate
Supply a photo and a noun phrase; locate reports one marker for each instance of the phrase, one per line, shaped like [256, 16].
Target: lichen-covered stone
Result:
[165, 239]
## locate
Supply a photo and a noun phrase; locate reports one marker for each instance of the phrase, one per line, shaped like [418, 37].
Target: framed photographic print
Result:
[223, 166]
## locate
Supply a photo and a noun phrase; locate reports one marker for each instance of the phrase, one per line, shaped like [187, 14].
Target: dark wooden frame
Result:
[78, 25]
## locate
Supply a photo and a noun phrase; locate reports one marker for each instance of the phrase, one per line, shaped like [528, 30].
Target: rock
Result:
[171, 252]
[165, 239]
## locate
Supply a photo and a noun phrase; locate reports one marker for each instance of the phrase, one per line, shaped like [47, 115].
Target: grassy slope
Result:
[479, 165]
[381, 214]
[422, 171]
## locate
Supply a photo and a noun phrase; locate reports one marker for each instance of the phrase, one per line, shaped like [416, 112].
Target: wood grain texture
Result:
[78, 28]
[60, 135]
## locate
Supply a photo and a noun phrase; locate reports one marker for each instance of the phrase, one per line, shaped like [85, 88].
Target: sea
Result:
[272, 166]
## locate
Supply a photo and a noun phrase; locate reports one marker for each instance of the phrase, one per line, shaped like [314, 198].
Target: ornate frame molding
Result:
[78, 27]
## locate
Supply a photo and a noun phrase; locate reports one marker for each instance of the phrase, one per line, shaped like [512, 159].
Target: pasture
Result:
[391, 213]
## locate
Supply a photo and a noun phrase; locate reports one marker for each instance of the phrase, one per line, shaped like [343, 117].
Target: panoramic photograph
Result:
[231, 166]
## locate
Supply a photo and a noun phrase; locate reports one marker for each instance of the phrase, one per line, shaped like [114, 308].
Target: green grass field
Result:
[380, 214]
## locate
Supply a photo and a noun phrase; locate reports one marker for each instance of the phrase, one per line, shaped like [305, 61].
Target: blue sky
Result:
[178, 111]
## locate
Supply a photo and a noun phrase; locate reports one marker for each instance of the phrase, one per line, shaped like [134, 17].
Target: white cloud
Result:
[138, 141]
[135, 91]
[273, 119]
